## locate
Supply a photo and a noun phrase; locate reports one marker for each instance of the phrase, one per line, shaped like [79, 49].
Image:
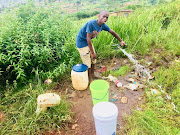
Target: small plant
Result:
[121, 71]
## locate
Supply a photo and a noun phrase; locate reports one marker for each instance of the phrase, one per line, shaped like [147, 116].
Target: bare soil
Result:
[2, 117]
[82, 102]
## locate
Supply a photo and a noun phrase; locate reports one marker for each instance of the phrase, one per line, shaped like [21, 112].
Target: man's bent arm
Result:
[115, 35]
[90, 46]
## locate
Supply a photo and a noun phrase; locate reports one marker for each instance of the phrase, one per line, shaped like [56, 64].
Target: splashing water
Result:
[141, 70]
[145, 71]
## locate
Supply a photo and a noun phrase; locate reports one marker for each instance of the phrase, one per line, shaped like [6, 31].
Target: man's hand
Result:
[93, 55]
[122, 43]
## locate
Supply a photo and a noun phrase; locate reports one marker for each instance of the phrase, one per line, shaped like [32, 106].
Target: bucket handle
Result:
[103, 97]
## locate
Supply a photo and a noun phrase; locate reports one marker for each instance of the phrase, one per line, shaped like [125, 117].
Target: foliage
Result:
[81, 15]
[34, 39]
[145, 30]
[134, 7]
[168, 77]
[169, 80]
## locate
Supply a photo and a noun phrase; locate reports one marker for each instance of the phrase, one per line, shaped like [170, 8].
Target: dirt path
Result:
[82, 103]
[83, 108]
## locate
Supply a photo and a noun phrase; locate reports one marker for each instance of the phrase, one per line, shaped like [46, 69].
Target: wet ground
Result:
[125, 99]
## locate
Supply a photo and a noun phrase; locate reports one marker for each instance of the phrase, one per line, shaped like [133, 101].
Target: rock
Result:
[89, 92]
[84, 116]
[80, 95]
[124, 100]
[74, 126]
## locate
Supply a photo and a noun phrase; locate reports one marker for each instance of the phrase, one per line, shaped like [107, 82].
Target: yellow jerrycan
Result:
[79, 76]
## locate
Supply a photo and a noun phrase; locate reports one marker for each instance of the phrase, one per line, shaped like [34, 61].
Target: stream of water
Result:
[143, 71]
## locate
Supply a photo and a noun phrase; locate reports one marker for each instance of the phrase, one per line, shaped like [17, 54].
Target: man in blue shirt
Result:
[83, 41]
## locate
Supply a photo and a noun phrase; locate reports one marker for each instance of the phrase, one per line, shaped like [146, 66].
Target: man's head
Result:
[103, 16]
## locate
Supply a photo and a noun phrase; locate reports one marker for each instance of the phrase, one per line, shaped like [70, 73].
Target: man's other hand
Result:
[93, 55]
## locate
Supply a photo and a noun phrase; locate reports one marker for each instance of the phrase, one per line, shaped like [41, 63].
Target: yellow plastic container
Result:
[79, 76]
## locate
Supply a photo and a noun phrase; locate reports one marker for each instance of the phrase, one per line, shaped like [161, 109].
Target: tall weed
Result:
[145, 30]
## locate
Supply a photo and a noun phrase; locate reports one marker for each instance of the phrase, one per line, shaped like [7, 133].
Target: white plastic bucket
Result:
[105, 117]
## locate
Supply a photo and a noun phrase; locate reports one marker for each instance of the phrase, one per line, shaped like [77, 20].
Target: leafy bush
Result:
[33, 41]
[81, 15]
[133, 7]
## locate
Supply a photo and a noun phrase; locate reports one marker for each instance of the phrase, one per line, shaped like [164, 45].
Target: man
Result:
[83, 41]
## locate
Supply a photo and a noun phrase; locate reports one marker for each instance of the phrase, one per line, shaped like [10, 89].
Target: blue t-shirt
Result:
[91, 27]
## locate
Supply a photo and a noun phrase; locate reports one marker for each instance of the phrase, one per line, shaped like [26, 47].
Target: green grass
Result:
[168, 77]
[20, 113]
[121, 71]
[145, 30]
[158, 115]
[149, 122]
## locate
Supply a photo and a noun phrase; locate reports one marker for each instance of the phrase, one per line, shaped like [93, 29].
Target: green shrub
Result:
[81, 15]
[34, 39]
